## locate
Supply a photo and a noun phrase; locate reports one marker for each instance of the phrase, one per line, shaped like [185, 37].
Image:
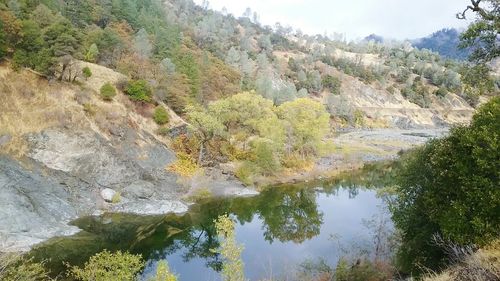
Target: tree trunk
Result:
[200, 154]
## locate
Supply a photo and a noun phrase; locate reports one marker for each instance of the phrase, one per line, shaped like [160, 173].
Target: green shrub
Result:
[450, 187]
[14, 267]
[108, 92]
[441, 92]
[246, 172]
[139, 90]
[90, 109]
[87, 73]
[265, 156]
[106, 266]
[160, 115]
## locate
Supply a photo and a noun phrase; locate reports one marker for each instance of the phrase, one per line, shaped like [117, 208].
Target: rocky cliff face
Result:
[62, 177]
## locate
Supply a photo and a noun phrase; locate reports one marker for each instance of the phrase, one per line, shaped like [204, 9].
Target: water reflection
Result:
[278, 216]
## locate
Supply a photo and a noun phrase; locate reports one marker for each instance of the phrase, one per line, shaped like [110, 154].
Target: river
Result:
[282, 228]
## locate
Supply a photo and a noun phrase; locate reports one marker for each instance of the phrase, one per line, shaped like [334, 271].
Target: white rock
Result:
[107, 194]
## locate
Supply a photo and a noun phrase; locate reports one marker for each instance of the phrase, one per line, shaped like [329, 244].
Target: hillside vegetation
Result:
[191, 62]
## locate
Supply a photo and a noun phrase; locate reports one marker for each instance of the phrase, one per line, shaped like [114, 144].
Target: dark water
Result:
[281, 228]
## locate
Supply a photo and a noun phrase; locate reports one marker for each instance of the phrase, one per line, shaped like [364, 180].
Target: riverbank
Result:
[353, 149]
[63, 177]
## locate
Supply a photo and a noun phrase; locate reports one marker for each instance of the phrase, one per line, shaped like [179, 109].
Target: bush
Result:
[265, 156]
[332, 83]
[246, 172]
[450, 187]
[106, 266]
[14, 268]
[87, 73]
[160, 115]
[139, 90]
[108, 92]
[184, 166]
[441, 92]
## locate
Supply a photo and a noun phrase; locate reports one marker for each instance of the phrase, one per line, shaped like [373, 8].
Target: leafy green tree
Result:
[108, 92]
[482, 34]
[306, 123]
[160, 115]
[92, 53]
[206, 127]
[449, 187]
[106, 266]
[477, 81]
[139, 90]
[62, 38]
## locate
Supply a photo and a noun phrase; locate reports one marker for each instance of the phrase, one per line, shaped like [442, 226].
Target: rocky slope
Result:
[54, 170]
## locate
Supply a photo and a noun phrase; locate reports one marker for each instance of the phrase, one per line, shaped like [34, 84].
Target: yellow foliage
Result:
[184, 166]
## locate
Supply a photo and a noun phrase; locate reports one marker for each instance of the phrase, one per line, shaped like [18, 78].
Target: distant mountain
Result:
[374, 37]
[445, 42]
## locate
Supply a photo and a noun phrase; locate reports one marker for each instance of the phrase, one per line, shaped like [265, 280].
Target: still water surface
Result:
[280, 229]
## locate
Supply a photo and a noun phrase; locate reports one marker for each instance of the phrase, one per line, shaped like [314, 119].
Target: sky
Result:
[395, 19]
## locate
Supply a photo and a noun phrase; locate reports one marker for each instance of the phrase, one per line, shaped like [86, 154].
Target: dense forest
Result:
[254, 95]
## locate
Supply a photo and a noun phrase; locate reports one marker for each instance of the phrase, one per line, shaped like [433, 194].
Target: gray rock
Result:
[4, 139]
[35, 207]
[107, 194]
[151, 207]
[139, 190]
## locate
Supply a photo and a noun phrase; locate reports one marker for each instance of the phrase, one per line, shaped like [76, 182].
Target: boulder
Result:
[107, 194]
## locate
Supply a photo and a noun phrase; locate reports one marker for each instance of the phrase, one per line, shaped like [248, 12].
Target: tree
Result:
[139, 90]
[106, 266]
[92, 53]
[142, 44]
[206, 127]
[306, 124]
[482, 35]
[449, 188]
[108, 92]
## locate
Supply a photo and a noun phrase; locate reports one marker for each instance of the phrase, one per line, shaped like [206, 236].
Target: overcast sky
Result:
[397, 19]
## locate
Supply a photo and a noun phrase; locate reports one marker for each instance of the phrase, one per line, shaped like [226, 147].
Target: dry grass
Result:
[28, 104]
[483, 265]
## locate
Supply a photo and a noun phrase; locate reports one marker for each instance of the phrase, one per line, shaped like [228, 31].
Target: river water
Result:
[280, 229]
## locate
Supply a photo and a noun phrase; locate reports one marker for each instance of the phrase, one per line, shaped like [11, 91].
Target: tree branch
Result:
[475, 8]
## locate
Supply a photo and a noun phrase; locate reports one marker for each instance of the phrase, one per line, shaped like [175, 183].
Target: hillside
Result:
[444, 42]
[142, 106]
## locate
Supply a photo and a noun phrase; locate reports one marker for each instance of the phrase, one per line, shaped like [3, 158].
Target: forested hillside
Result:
[445, 42]
[195, 61]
